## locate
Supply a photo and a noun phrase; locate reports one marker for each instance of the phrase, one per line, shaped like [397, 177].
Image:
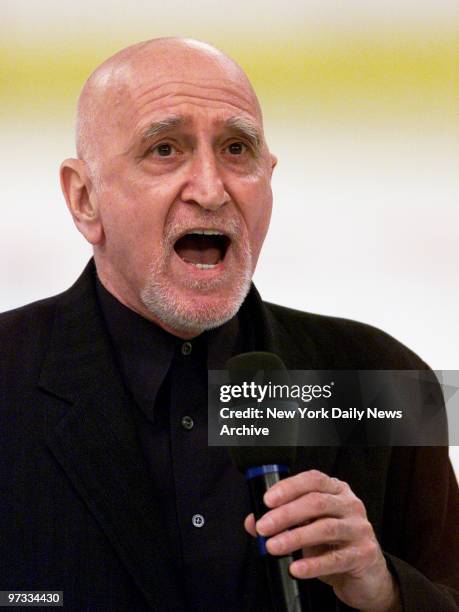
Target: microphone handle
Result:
[284, 588]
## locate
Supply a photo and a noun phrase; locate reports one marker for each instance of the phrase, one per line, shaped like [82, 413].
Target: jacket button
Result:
[187, 347]
[187, 422]
[198, 520]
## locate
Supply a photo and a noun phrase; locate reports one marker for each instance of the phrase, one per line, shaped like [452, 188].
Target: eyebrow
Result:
[158, 127]
[244, 126]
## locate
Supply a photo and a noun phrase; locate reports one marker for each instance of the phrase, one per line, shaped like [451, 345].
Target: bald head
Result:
[171, 146]
[109, 91]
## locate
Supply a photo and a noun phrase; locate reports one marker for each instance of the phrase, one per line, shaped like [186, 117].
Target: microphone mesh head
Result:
[262, 368]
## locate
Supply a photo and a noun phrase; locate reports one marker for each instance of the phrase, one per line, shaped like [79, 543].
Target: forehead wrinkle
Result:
[220, 94]
[205, 84]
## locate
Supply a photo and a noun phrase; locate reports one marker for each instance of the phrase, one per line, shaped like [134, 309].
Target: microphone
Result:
[263, 466]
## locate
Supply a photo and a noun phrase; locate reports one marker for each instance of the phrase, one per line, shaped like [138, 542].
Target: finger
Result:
[338, 561]
[290, 488]
[322, 531]
[249, 525]
[306, 508]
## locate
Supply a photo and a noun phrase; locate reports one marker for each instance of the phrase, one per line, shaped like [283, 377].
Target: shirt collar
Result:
[144, 351]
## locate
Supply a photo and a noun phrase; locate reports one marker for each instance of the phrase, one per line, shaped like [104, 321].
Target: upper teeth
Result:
[207, 232]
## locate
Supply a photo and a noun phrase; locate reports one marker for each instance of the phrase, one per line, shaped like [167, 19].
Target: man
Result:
[110, 491]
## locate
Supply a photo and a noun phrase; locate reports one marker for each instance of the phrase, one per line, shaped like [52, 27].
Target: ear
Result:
[76, 185]
[273, 162]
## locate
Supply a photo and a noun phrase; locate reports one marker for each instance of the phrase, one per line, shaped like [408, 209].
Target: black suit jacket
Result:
[77, 510]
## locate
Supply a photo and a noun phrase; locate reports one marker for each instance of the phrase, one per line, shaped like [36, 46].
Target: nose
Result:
[204, 185]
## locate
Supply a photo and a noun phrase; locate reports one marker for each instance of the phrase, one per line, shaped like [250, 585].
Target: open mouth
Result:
[205, 249]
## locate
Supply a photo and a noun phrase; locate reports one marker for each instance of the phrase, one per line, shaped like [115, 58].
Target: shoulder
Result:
[342, 343]
[27, 322]
[24, 335]
[25, 332]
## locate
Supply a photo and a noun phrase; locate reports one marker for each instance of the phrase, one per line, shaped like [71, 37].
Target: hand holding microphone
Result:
[323, 518]
[308, 512]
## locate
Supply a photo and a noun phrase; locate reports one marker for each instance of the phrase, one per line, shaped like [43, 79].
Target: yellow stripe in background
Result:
[410, 73]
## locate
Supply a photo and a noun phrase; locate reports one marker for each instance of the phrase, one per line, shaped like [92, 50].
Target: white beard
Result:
[166, 304]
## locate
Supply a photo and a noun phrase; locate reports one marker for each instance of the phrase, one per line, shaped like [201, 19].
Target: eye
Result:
[237, 148]
[163, 150]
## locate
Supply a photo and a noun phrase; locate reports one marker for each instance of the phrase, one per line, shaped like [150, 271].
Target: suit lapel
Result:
[95, 442]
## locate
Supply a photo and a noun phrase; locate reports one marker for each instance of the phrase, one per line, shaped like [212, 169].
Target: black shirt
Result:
[202, 497]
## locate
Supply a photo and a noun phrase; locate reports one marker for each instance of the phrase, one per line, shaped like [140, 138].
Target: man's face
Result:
[184, 195]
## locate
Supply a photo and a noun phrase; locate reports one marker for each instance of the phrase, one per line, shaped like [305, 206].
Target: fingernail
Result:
[297, 568]
[276, 545]
[271, 496]
[264, 525]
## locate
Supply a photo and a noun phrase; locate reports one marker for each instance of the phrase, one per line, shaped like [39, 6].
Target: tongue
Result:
[199, 249]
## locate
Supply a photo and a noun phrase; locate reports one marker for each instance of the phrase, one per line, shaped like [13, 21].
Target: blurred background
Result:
[361, 105]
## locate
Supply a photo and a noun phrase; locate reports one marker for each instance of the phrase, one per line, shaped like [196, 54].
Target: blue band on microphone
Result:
[264, 469]
[261, 541]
